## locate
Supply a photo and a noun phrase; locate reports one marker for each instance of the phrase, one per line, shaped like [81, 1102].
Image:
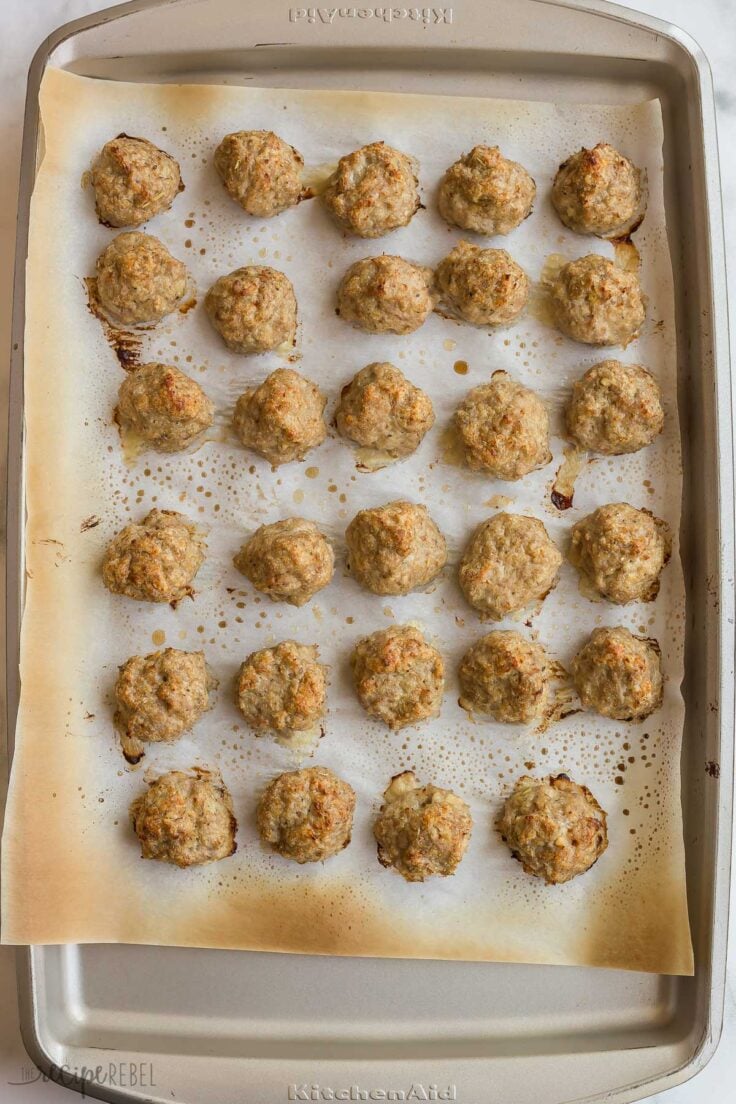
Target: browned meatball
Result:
[380, 409]
[509, 563]
[619, 675]
[282, 689]
[486, 193]
[395, 548]
[621, 551]
[386, 295]
[163, 407]
[597, 303]
[503, 428]
[399, 678]
[281, 419]
[133, 180]
[485, 287]
[421, 830]
[598, 191]
[253, 309]
[373, 191]
[185, 819]
[260, 171]
[138, 280]
[506, 676]
[615, 408]
[289, 560]
[307, 815]
[154, 560]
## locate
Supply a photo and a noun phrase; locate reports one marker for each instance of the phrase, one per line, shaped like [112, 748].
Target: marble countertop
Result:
[23, 25]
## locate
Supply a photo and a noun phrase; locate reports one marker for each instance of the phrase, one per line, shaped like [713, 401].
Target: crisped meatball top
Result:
[503, 428]
[554, 827]
[399, 678]
[395, 548]
[509, 563]
[138, 280]
[598, 191]
[615, 408]
[289, 560]
[486, 193]
[154, 560]
[619, 675]
[185, 819]
[380, 409]
[373, 191]
[253, 309]
[485, 287]
[133, 180]
[282, 689]
[282, 418]
[164, 407]
[386, 294]
[421, 830]
[506, 676]
[307, 815]
[260, 171]
[621, 551]
[597, 303]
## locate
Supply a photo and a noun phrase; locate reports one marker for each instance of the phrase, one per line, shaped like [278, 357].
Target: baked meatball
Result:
[138, 280]
[395, 548]
[554, 827]
[185, 819]
[597, 303]
[421, 830]
[282, 689]
[509, 563]
[386, 295]
[307, 815]
[615, 408]
[162, 406]
[486, 193]
[373, 191]
[159, 697]
[503, 428]
[506, 676]
[485, 287]
[260, 171]
[155, 560]
[289, 560]
[253, 309]
[399, 678]
[598, 191]
[133, 180]
[282, 419]
[380, 409]
[619, 675]
[621, 551]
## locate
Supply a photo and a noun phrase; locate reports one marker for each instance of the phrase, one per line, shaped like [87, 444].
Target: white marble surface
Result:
[23, 25]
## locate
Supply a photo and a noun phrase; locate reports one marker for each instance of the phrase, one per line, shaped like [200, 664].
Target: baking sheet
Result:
[71, 870]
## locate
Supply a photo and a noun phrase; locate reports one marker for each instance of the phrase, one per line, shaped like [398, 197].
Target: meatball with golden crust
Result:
[138, 280]
[373, 191]
[615, 408]
[307, 815]
[289, 560]
[386, 294]
[421, 830]
[282, 689]
[621, 551]
[162, 406]
[509, 563]
[160, 696]
[155, 560]
[598, 191]
[554, 827]
[619, 675]
[485, 287]
[133, 180]
[281, 419]
[503, 428]
[399, 678]
[486, 193]
[597, 303]
[260, 171]
[185, 819]
[253, 309]
[506, 676]
[380, 409]
[395, 548]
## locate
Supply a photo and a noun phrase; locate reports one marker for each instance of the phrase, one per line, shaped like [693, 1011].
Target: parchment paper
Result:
[71, 866]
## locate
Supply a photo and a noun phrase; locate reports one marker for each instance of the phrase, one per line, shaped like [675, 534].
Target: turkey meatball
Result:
[486, 193]
[615, 408]
[485, 287]
[307, 815]
[185, 819]
[138, 280]
[503, 428]
[507, 677]
[380, 409]
[421, 830]
[399, 678]
[253, 309]
[621, 551]
[373, 191]
[597, 303]
[395, 548]
[509, 563]
[154, 560]
[289, 560]
[386, 295]
[159, 697]
[282, 689]
[598, 191]
[133, 180]
[619, 675]
[554, 827]
[260, 171]
[282, 419]
[162, 406]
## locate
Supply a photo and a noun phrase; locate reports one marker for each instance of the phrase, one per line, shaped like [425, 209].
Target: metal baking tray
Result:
[239, 1027]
